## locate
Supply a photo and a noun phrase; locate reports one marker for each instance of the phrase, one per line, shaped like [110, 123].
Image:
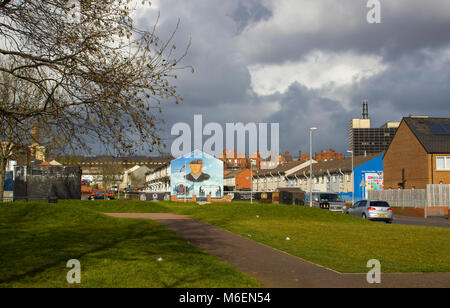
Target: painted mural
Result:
[197, 173]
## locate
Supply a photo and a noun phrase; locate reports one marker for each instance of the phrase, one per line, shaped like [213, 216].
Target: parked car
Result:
[372, 210]
[100, 195]
[328, 201]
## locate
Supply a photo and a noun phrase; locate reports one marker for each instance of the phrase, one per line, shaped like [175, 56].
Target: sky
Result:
[306, 63]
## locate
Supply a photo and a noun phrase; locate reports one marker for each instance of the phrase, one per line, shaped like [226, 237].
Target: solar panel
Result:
[440, 129]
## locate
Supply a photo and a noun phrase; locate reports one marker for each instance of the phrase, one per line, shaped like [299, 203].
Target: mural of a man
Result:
[196, 174]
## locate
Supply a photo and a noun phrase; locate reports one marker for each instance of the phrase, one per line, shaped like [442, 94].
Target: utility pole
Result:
[353, 180]
[310, 164]
[251, 180]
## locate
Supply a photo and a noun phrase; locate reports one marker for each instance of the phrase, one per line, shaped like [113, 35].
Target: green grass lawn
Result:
[37, 239]
[334, 240]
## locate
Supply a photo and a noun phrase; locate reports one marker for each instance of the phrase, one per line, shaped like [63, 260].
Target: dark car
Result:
[328, 201]
[100, 196]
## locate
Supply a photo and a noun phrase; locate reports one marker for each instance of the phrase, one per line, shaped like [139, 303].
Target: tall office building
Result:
[366, 140]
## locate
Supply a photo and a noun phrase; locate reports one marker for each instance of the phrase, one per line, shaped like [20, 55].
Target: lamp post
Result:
[310, 164]
[353, 180]
[252, 162]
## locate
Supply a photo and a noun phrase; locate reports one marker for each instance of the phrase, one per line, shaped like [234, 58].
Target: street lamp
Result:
[310, 164]
[252, 162]
[353, 180]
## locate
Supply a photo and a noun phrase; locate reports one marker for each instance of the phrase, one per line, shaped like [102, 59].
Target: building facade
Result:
[364, 139]
[419, 154]
[109, 170]
[369, 176]
[326, 155]
[336, 176]
[269, 180]
[158, 179]
[237, 180]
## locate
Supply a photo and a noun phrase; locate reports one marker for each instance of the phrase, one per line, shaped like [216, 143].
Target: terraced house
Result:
[272, 179]
[336, 175]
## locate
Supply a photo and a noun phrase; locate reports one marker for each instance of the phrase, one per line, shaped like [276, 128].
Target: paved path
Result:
[273, 268]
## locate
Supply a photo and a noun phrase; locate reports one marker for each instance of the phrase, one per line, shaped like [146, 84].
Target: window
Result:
[443, 163]
[379, 204]
[331, 198]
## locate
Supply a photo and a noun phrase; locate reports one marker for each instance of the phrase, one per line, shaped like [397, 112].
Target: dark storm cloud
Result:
[415, 85]
[230, 36]
[406, 26]
[249, 11]
[302, 108]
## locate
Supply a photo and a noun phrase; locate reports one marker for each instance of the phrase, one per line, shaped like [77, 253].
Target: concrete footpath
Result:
[273, 268]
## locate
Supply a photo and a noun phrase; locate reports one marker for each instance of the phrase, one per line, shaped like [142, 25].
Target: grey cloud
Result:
[406, 25]
[409, 41]
[412, 86]
[249, 11]
[302, 108]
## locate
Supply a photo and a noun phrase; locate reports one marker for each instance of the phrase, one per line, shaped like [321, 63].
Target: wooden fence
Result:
[436, 195]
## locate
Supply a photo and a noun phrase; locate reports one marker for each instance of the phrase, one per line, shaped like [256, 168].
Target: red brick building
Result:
[238, 179]
[419, 154]
[233, 160]
[327, 155]
[303, 156]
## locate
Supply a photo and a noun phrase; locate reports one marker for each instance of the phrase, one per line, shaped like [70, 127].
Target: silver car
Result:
[372, 210]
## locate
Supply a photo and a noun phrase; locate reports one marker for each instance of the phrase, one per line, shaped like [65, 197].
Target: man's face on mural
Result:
[196, 167]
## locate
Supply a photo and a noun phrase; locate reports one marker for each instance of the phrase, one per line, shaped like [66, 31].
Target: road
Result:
[442, 222]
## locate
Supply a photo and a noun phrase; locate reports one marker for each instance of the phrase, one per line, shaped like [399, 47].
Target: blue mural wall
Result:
[368, 176]
[197, 173]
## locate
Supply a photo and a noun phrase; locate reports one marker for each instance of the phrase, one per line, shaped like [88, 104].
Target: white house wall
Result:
[320, 183]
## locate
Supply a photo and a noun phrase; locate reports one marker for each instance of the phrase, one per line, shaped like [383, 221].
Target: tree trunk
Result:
[2, 177]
